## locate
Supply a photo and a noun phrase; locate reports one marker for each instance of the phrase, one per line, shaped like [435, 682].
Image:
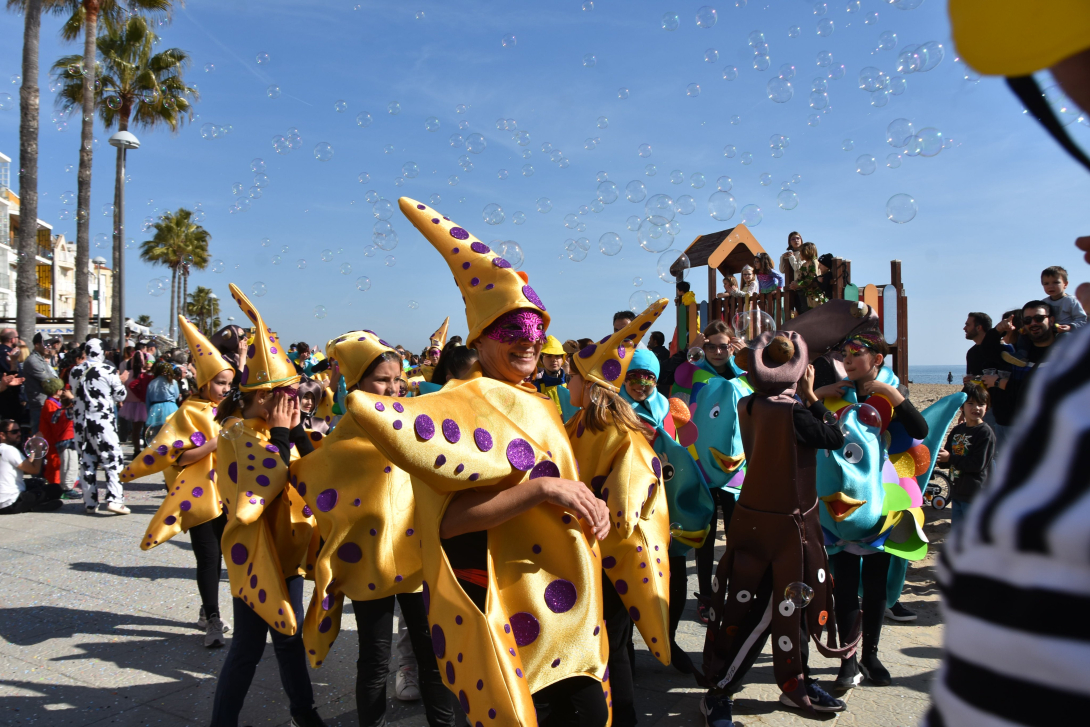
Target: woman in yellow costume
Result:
[617, 463]
[370, 552]
[270, 531]
[184, 450]
[511, 583]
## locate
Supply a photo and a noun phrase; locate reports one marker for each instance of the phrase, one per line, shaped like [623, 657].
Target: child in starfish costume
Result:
[184, 450]
[774, 542]
[512, 578]
[370, 552]
[270, 538]
[618, 464]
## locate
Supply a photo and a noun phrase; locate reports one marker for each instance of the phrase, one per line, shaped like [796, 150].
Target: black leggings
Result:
[619, 631]
[847, 574]
[573, 702]
[679, 591]
[705, 554]
[374, 621]
[205, 539]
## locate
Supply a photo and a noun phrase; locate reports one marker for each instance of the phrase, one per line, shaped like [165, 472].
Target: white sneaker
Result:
[117, 508]
[91, 509]
[202, 620]
[407, 684]
[213, 633]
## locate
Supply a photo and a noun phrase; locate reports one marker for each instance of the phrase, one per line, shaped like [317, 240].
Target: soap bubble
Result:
[871, 18]
[156, 287]
[722, 205]
[794, 31]
[825, 27]
[589, 60]
[273, 91]
[509, 41]
[820, 8]
[752, 215]
[639, 301]
[101, 239]
[897, 85]
[750, 324]
[544, 204]
[847, 145]
[622, 93]
[779, 90]
[261, 181]
[301, 264]
[393, 108]
[659, 209]
[571, 220]
[813, 119]
[879, 98]
[695, 355]
[711, 55]
[634, 191]
[670, 22]
[345, 268]
[233, 430]
[633, 223]
[799, 594]
[609, 244]
[887, 40]
[493, 214]
[865, 164]
[258, 289]
[217, 266]
[824, 59]
[818, 101]
[893, 160]
[511, 251]
[68, 197]
[36, 447]
[672, 262]
[607, 192]
[901, 208]
[363, 283]
[637, 281]
[692, 90]
[761, 62]
[928, 142]
[644, 150]
[413, 305]
[527, 170]
[869, 78]
[685, 205]
[323, 151]
[320, 312]
[654, 238]
[746, 158]
[518, 218]
[262, 58]
[575, 252]
[410, 170]
[930, 55]
[706, 16]
[787, 199]
[735, 120]
[390, 261]
[383, 209]
[724, 184]
[475, 143]
[729, 151]
[276, 259]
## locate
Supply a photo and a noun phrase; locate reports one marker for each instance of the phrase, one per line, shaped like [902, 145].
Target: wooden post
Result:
[711, 284]
[902, 321]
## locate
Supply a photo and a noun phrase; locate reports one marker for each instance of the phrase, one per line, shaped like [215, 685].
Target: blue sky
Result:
[994, 208]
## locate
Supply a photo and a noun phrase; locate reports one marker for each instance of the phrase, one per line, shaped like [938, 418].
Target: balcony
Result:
[45, 293]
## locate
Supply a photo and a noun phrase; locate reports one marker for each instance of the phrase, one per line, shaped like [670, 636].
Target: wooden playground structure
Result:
[728, 251]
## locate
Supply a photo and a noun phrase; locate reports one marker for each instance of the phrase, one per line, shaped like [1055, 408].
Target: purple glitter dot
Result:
[420, 207]
[475, 282]
[499, 262]
[645, 326]
[232, 472]
[560, 596]
[325, 624]
[379, 406]
[532, 296]
[609, 561]
[544, 468]
[657, 467]
[307, 512]
[350, 553]
[149, 460]
[326, 500]
[588, 351]
[397, 424]
[483, 439]
[169, 520]
[490, 286]
[634, 613]
[424, 426]
[507, 628]
[409, 534]
[302, 487]
[465, 266]
[161, 449]
[525, 627]
[458, 233]
[273, 351]
[398, 579]
[197, 491]
[186, 505]
[611, 369]
[480, 247]
[520, 454]
[518, 673]
[398, 408]
[438, 641]
[239, 554]
[263, 480]
[386, 470]
[451, 431]
[621, 586]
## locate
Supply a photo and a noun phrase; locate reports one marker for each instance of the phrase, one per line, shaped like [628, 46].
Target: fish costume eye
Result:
[714, 413]
[853, 453]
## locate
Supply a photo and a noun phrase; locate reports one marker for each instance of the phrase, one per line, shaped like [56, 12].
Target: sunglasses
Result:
[1034, 319]
[717, 348]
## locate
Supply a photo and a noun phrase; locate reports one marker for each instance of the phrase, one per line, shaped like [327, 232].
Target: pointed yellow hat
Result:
[605, 363]
[354, 352]
[489, 286]
[267, 365]
[206, 359]
[439, 338]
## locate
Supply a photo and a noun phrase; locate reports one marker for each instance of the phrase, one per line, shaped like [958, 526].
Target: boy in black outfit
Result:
[969, 449]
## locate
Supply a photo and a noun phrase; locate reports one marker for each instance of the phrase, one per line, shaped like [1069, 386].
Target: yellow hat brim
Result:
[1007, 38]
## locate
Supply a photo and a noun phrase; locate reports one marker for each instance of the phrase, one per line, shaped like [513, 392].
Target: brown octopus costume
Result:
[774, 540]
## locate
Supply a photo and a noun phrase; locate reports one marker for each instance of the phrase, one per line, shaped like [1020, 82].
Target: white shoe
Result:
[213, 633]
[117, 508]
[202, 620]
[407, 684]
[91, 509]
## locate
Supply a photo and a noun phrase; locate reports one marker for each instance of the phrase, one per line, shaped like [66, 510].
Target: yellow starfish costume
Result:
[543, 616]
[270, 533]
[622, 469]
[193, 496]
[364, 509]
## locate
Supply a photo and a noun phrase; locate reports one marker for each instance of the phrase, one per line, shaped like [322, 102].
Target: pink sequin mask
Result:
[517, 325]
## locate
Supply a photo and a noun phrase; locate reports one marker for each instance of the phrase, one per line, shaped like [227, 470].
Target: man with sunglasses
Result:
[17, 495]
[1039, 326]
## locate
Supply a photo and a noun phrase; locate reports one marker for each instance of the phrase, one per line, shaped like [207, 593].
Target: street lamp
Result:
[100, 262]
[124, 141]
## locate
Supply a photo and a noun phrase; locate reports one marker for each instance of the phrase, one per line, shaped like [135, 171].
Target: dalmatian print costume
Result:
[98, 390]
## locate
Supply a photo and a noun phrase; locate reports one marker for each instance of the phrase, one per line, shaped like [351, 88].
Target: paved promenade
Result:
[93, 631]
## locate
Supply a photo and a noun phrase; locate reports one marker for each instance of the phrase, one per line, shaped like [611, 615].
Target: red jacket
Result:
[54, 426]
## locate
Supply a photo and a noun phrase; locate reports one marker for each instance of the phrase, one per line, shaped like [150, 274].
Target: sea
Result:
[935, 374]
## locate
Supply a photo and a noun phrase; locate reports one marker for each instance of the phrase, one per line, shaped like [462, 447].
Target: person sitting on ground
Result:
[1066, 308]
[16, 494]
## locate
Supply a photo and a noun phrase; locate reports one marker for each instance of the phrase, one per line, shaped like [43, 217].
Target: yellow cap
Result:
[206, 359]
[354, 352]
[553, 346]
[489, 286]
[439, 338]
[1007, 38]
[605, 363]
[267, 365]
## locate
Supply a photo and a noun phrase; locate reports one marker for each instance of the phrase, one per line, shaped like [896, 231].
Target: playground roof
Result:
[728, 251]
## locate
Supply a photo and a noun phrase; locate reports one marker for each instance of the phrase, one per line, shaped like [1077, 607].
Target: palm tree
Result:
[205, 307]
[27, 282]
[178, 243]
[144, 320]
[134, 87]
[83, 17]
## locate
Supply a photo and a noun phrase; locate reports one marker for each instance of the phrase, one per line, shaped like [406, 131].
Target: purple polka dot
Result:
[475, 282]
[560, 595]
[634, 613]
[525, 627]
[232, 472]
[325, 625]
[483, 439]
[386, 470]
[596, 485]
[149, 460]
[453, 250]
[186, 505]
[374, 532]
[371, 586]
[465, 266]
[261, 596]
[326, 602]
[253, 581]
[532, 296]
[302, 487]
[645, 326]
[239, 554]
[424, 426]
[398, 579]
[609, 561]
[462, 698]
[520, 454]
[326, 500]
[197, 491]
[536, 549]
[492, 714]
[544, 468]
[490, 286]
[398, 408]
[657, 468]
[397, 424]
[611, 369]
[350, 553]
[480, 684]
[169, 520]
[579, 430]
[458, 233]
[480, 247]
[178, 444]
[307, 512]
[518, 673]
[473, 477]
[438, 641]
[426, 593]
[459, 468]
[263, 480]
[566, 519]
[451, 431]
[379, 406]
[420, 207]
[621, 586]
[556, 663]
[409, 534]
[499, 262]
[596, 630]
[198, 439]
[161, 449]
